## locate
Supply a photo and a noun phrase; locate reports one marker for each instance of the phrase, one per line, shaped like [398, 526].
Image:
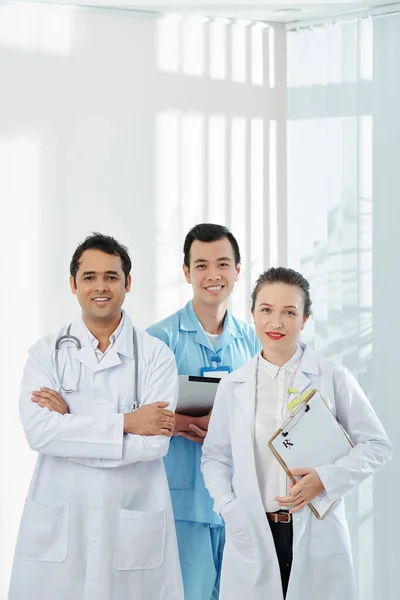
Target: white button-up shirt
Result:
[272, 398]
[95, 342]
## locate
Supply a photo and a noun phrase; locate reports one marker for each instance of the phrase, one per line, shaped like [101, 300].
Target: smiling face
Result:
[278, 318]
[100, 286]
[212, 272]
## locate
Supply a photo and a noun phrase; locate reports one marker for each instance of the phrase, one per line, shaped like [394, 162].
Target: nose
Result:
[276, 322]
[102, 286]
[213, 275]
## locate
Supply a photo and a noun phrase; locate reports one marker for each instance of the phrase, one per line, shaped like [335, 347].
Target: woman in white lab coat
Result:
[275, 546]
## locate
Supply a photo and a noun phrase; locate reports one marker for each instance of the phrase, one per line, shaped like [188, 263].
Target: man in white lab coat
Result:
[97, 523]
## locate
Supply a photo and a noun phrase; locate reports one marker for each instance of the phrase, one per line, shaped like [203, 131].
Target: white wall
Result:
[138, 128]
[141, 127]
[343, 221]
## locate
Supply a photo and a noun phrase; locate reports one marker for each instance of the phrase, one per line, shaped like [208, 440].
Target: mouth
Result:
[214, 289]
[275, 335]
[101, 300]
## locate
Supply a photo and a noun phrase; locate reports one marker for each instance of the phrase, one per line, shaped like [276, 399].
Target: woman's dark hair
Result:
[105, 243]
[209, 232]
[283, 275]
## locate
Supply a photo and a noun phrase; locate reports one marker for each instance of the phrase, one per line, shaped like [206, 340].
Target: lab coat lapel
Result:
[87, 356]
[245, 391]
[123, 345]
[308, 366]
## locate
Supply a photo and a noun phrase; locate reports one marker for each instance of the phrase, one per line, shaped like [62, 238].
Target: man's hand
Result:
[151, 419]
[302, 492]
[192, 428]
[47, 398]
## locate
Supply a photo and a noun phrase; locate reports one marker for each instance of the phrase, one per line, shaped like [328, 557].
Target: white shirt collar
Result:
[291, 365]
[113, 337]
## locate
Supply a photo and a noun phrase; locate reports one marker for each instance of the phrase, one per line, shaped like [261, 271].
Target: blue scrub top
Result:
[183, 333]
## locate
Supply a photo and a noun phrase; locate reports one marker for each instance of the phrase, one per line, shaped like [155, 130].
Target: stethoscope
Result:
[77, 344]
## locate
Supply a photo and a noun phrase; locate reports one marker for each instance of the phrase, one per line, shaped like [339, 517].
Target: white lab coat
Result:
[322, 564]
[97, 523]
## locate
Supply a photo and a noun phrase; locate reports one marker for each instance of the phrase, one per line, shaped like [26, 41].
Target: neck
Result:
[102, 329]
[278, 358]
[211, 317]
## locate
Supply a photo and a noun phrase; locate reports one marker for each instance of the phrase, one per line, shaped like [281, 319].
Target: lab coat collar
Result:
[246, 380]
[190, 322]
[86, 355]
[308, 366]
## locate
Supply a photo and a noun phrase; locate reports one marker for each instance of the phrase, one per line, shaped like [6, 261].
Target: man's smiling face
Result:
[212, 272]
[100, 285]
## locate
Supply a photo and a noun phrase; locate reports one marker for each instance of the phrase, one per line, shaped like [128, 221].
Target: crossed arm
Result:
[108, 440]
[151, 419]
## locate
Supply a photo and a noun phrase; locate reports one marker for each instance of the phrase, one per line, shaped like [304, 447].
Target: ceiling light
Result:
[288, 10]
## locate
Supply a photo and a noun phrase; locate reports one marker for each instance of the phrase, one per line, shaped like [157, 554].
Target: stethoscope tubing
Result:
[77, 343]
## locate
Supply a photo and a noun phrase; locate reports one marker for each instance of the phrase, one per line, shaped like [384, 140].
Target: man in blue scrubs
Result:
[203, 336]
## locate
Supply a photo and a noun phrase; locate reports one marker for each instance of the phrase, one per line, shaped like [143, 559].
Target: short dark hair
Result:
[209, 232]
[283, 275]
[105, 243]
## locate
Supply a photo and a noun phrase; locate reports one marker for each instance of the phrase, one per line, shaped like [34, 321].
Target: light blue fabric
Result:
[200, 531]
[183, 333]
[200, 553]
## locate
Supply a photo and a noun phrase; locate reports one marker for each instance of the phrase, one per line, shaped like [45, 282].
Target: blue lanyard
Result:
[215, 360]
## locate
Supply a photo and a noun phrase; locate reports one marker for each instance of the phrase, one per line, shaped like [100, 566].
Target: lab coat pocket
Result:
[44, 532]
[235, 521]
[140, 539]
[330, 535]
[239, 544]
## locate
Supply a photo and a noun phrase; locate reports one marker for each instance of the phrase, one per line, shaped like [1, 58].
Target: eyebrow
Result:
[95, 273]
[288, 306]
[204, 260]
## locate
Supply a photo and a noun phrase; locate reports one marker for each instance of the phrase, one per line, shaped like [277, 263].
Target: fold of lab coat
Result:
[322, 563]
[97, 523]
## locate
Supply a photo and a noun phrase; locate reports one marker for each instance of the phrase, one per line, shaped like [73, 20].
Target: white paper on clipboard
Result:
[311, 437]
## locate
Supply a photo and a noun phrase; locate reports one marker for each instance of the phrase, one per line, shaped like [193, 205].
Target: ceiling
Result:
[277, 11]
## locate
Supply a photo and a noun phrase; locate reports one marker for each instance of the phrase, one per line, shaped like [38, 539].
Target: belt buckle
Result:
[287, 515]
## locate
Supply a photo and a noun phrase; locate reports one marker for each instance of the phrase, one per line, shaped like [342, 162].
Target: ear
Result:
[128, 284]
[238, 267]
[186, 272]
[72, 285]
[305, 321]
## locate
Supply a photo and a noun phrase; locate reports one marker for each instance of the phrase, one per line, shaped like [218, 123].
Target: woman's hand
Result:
[302, 492]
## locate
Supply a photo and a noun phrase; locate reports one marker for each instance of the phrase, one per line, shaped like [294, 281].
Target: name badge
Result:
[215, 372]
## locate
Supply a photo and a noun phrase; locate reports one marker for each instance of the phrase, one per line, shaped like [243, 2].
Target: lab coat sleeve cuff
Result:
[329, 488]
[220, 504]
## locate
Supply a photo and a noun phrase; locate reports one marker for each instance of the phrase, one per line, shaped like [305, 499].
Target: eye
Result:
[112, 277]
[291, 313]
[200, 266]
[224, 265]
[266, 310]
[88, 278]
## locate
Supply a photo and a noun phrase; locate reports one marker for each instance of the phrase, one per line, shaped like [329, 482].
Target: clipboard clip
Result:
[295, 418]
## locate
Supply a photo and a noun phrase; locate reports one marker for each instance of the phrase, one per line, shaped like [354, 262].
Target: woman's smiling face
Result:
[279, 318]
